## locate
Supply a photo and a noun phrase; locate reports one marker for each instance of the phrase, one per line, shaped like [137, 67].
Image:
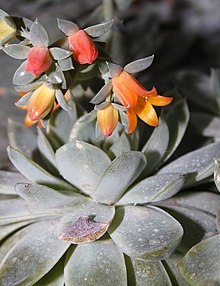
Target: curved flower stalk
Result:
[135, 99]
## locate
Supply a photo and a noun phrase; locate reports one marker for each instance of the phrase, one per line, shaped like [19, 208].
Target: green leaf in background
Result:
[198, 163]
[102, 257]
[34, 172]
[201, 264]
[17, 51]
[99, 29]
[38, 35]
[82, 164]
[45, 250]
[120, 146]
[139, 65]
[156, 147]
[145, 232]
[120, 174]
[21, 138]
[146, 273]
[152, 189]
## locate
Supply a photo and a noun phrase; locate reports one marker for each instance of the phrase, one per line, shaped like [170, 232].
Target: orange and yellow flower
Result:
[83, 48]
[38, 61]
[107, 119]
[138, 100]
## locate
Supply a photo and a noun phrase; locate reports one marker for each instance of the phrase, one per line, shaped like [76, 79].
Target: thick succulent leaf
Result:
[208, 202]
[96, 264]
[62, 101]
[201, 264]
[99, 29]
[55, 277]
[56, 75]
[218, 221]
[82, 164]
[156, 147]
[21, 77]
[153, 189]
[146, 273]
[33, 171]
[171, 265]
[123, 4]
[67, 27]
[122, 172]
[7, 229]
[60, 54]
[17, 51]
[8, 181]
[205, 124]
[38, 35]
[145, 232]
[46, 149]
[198, 164]
[32, 256]
[120, 146]
[197, 224]
[177, 121]
[217, 173]
[102, 94]
[23, 101]
[60, 126]
[85, 222]
[114, 69]
[66, 64]
[85, 130]
[139, 65]
[47, 198]
[21, 138]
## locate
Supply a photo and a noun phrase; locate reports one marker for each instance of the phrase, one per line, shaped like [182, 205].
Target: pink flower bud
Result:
[38, 61]
[83, 48]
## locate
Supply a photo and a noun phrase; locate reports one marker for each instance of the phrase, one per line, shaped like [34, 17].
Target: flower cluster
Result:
[51, 71]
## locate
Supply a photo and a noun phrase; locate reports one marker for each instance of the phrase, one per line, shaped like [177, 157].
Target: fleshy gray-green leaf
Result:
[114, 69]
[8, 181]
[56, 75]
[66, 64]
[67, 27]
[156, 146]
[34, 172]
[99, 29]
[122, 172]
[200, 266]
[38, 35]
[55, 277]
[152, 189]
[95, 264]
[82, 164]
[120, 146]
[60, 54]
[145, 232]
[47, 198]
[177, 121]
[146, 273]
[32, 256]
[7, 229]
[62, 101]
[198, 163]
[17, 51]
[21, 77]
[139, 65]
[217, 173]
[102, 94]
[21, 138]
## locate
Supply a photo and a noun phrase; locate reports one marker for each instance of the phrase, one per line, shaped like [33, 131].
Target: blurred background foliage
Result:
[184, 36]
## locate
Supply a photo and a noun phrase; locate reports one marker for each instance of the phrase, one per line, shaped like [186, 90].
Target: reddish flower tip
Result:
[83, 48]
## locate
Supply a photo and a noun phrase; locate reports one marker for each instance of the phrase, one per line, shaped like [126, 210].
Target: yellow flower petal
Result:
[107, 119]
[146, 112]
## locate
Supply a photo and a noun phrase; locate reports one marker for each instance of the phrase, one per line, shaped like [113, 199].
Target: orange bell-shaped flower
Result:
[107, 119]
[41, 102]
[83, 48]
[38, 61]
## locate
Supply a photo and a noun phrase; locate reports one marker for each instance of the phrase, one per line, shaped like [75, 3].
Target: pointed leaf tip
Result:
[139, 65]
[100, 29]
